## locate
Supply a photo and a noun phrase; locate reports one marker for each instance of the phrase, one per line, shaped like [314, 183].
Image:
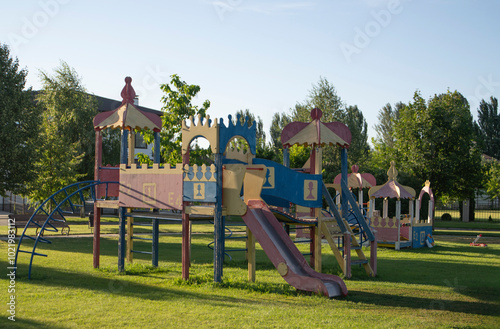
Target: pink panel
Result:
[109, 174]
[151, 190]
[387, 234]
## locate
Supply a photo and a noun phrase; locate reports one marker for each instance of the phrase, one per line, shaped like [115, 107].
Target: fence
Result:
[486, 209]
[14, 204]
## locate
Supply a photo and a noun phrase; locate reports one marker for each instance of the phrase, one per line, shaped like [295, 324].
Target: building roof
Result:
[107, 104]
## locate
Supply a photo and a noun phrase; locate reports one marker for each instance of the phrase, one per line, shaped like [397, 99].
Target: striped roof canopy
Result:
[316, 132]
[392, 189]
[357, 180]
[127, 116]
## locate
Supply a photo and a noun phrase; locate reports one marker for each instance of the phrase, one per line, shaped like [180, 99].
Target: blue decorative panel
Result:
[419, 234]
[200, 183]
[284, 185]
[227, 133]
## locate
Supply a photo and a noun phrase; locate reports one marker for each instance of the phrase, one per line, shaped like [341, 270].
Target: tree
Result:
[278, 123]
[488, 127]
[262, 148]
[359, 150]
[436, 141]
[324, 96]
[492, 179]
[66, 149]
[384, 150]
[177, 106]
[387, 116]
[19, 120]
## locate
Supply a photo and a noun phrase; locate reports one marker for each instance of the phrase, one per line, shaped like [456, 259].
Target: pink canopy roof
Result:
[316, 132]
[127, 116]
[392, 189]
[357, 180]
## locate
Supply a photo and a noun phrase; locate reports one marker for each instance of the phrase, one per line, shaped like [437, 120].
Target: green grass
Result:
[450, 286]
[468, 225]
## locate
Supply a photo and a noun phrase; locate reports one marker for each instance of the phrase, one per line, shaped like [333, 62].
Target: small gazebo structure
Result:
[355, 180]
[395, 232]
[129, 119]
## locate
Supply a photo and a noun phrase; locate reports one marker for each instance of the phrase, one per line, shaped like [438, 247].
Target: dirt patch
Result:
[466, 239]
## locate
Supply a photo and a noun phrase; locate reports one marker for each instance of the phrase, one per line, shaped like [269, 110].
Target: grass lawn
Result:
[450, 286]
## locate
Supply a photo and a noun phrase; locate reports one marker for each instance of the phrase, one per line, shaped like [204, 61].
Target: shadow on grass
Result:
[415, 267]
[419, 303]
[121, 285]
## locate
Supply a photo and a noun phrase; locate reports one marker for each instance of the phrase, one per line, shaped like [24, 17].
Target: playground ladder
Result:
[332, 232]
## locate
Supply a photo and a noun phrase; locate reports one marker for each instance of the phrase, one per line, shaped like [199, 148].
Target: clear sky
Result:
[264, 55]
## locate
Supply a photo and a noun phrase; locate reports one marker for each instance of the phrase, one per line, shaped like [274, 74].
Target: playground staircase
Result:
[342, 235]
[49, 215]
[337, 241]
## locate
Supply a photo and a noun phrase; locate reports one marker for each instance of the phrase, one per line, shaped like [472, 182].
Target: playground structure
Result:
[403, 230]
[214, 191]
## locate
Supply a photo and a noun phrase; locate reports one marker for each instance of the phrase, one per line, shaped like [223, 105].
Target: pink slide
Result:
[282, 251]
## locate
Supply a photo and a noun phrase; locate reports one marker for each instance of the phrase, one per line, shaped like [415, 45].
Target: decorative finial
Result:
[392, 173]
[354, 168]
[316, 113]
[128, 93]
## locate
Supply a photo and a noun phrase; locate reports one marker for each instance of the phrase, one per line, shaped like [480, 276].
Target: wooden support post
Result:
[97, 235]
[157, 146]
[186, 247]
[286, 157]
[131, 147]
[218, 223]
[251, 255]
[398, 223]
[121, 239]
[318, 168]
[154, 247]
[385, 208]
[347, 255]
[430, 213]
[123, 147]
[360, 199]
[130, 236]
[97, 212]
[373, 254]
[313, 231]
[186, 252]
[417, 212]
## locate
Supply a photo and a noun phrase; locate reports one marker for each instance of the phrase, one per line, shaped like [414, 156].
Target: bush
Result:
[446, 217]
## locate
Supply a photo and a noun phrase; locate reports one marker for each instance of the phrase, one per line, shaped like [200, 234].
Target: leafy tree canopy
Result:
[488, 127]
[19, 121]
[177, 106]
[435, 141]
[66, 150]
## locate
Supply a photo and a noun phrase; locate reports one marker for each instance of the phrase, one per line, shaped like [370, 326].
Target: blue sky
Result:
[264, 55]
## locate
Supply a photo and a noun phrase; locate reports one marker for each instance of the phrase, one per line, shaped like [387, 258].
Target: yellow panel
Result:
[211, 133]
[253, 181]
[232, 182]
